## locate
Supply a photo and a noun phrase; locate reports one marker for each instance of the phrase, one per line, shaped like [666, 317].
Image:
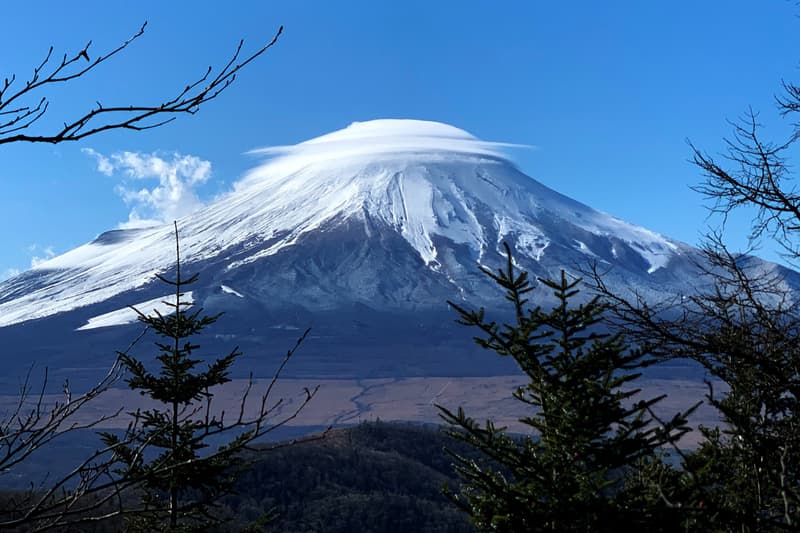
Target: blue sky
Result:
[607, 92]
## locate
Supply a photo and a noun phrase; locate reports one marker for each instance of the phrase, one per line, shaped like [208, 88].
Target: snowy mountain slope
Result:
[386, 213]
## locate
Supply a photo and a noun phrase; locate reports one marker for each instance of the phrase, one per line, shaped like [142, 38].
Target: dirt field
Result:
[349, 401]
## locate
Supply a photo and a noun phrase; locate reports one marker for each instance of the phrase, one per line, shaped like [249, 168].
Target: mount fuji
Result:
[364, 234]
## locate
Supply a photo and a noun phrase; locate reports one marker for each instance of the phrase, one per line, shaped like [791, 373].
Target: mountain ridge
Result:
[449, 197]
[363, 235]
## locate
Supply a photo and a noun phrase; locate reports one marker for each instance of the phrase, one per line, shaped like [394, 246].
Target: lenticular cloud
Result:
[373, 141]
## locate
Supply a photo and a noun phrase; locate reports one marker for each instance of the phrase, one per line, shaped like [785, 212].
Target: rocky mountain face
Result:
[362, 234]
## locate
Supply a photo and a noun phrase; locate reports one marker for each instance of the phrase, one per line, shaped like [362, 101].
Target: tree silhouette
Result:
[181, 484]
[22, 107]
[589, 427]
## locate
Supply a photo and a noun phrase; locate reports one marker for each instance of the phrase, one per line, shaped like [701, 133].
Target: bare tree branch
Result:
[31, 426]
[760, 178]
[16, 116]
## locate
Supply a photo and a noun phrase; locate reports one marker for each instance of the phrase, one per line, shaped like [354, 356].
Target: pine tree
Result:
[590, 430]
[180, 485]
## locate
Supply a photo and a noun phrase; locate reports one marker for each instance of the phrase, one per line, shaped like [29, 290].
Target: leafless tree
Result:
[756, 173]
[100, 488]
[744, 330]
[23, 104]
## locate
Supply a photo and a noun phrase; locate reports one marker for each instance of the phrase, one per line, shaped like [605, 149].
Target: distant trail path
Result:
[441, 391]
[361, 406]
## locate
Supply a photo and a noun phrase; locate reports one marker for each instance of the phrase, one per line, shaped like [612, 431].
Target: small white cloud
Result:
[174, 195]
[103, 164]
[135, 222]
[40, 254]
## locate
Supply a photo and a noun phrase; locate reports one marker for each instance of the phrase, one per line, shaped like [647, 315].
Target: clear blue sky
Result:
[607, 92]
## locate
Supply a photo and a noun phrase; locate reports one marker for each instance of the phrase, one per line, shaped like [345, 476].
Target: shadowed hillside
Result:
[380, 477]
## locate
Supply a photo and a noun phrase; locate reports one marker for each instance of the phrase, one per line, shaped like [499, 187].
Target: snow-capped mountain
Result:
[439, 196]
[386, 216]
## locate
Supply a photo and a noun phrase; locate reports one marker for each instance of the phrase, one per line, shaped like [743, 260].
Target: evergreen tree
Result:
[180, 485]
[590, 429]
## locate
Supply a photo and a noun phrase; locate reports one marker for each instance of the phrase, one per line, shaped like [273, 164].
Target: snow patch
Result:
[127, 315]
[585, 250]
[228, 290]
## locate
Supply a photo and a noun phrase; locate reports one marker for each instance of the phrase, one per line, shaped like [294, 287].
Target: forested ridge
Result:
[376, 476]
[373, 477]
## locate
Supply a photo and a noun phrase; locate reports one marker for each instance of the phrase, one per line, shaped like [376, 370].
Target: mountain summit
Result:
[388, 214]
